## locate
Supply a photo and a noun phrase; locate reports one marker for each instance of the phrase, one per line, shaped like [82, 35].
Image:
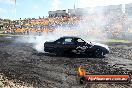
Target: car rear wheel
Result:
[59, 52]
[99, 53]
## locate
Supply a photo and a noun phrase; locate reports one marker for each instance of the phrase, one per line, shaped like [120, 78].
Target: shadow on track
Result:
[66, 55]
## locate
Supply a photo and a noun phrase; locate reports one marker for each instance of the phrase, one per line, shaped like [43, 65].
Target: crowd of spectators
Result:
[33, 25]
[112, 24]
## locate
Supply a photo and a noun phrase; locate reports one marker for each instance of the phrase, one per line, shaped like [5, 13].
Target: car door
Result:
[68, 44]
[63, 45]
[58, 44]
[80, 45]
[80, 42]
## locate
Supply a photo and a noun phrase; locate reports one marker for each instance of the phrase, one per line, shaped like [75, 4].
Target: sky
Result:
[35, 8]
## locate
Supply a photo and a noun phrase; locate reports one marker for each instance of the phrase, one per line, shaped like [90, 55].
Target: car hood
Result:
[99, 44]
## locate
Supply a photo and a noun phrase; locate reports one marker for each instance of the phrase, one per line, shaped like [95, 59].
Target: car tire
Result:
[99, 53]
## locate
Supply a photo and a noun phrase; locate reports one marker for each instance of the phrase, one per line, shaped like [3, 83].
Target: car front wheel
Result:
[99, 53]
[59, 52]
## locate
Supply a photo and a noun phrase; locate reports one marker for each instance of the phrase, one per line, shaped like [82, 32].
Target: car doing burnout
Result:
[69, 45]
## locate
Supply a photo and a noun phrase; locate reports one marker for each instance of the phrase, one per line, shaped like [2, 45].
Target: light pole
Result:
[14, 8]
[74, 7]
[74, 4]
[123, 8]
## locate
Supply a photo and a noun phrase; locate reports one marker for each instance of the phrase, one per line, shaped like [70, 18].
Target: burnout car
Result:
[76, 45]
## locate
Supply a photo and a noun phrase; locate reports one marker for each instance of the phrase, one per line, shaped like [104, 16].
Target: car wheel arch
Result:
[99, 52]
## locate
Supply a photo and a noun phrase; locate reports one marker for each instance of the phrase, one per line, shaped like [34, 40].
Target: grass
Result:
[108, 40]
[7, 35]
[115, 40]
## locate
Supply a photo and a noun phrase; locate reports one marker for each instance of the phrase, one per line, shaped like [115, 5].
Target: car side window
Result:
[59, 41]
[68, 41]
[80, 41]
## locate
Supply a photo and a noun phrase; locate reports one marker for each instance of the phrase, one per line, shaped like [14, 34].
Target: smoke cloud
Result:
[90, 29]
[93, 3]
[94, 27]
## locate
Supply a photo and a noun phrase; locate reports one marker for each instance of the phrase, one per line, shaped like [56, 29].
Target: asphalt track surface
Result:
[19, 61]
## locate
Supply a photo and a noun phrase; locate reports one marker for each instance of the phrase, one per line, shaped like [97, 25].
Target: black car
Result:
[76, 45]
